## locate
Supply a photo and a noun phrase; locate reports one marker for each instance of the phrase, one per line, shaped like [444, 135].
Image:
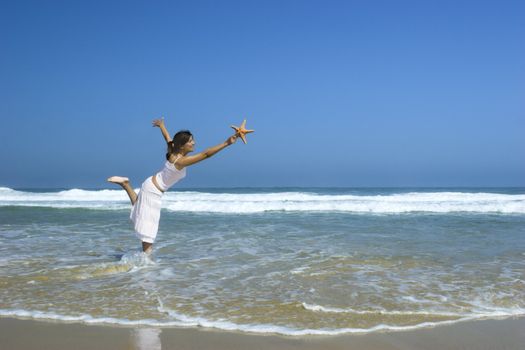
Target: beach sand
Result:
[28, 334]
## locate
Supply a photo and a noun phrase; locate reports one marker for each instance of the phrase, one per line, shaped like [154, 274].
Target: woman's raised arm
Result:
[160, 124]
[190, 160]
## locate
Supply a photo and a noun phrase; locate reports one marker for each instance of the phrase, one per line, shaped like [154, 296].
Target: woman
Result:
[145, 212]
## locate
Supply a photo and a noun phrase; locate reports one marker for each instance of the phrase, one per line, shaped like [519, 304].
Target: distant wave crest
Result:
[191, 201]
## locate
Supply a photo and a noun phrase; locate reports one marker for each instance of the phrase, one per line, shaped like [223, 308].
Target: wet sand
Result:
[28, 334]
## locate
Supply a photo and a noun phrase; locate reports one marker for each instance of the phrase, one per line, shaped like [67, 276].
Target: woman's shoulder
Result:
[172, 161]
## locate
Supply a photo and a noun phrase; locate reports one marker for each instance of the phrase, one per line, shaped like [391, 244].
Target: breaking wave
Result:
[192, 201]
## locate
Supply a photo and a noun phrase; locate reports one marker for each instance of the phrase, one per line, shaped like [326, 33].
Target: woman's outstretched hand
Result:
[231, 140]
[158, 122]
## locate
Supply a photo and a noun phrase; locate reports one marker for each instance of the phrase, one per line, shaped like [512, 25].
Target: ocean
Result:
[292, 261]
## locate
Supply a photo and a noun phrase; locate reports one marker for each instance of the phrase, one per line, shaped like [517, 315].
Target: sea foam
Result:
[238, 203]
[180, 320]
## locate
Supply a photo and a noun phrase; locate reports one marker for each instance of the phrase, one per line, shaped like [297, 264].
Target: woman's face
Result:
[188, 146]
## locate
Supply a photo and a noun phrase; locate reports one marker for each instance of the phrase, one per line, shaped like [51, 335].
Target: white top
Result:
[169, 175]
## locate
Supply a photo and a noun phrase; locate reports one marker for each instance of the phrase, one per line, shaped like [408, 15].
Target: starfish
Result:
[241, 131]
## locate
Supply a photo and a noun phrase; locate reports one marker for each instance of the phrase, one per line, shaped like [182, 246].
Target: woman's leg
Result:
[147, 247]
[124, 183]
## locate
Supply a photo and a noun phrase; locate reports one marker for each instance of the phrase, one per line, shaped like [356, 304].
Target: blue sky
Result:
[340, 93]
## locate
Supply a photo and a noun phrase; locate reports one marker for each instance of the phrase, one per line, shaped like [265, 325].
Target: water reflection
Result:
[147, 338]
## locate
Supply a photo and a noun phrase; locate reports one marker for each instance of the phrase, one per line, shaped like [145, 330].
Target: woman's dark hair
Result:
[179, 140]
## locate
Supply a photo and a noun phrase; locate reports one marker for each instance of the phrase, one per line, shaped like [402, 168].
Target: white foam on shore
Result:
[426, 202]
[479, 311]
[319, 308]
[181, 320]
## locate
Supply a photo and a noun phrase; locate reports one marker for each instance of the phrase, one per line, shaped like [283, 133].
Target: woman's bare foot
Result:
[124, 182]
[118, 180]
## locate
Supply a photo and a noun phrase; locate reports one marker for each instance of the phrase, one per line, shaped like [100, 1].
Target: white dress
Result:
[145, 213]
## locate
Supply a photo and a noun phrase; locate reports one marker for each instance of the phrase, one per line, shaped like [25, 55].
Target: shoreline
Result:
[29, 334]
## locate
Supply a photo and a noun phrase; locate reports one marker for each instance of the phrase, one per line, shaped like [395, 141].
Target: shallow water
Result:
[290, 261]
